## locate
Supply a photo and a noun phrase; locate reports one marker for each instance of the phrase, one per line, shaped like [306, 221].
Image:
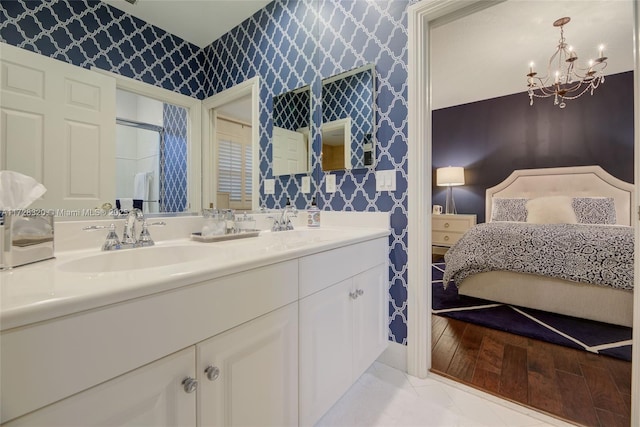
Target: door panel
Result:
[325, 350]
[257, 380]
[370, 317]
[58, 127]
[152, 396]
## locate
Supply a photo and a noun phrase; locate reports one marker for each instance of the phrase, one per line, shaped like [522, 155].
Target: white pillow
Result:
[551, 210]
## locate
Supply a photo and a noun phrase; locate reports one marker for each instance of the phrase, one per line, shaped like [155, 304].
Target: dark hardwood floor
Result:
[573, 385]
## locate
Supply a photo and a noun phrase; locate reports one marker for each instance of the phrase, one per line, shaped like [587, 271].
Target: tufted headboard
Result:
[575, 181]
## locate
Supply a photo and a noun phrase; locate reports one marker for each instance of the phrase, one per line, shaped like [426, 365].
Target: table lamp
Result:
[449, 177]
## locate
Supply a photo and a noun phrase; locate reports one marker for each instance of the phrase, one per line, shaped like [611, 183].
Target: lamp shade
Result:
[450, 176]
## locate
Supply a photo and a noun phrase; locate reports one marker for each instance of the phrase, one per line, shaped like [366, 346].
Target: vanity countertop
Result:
[58, 287]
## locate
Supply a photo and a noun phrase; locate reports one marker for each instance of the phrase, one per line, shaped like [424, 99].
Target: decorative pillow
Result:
[503, 209]
[551, 210]
[594, 210]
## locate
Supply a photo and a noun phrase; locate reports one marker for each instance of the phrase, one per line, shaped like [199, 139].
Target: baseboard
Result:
[395, 356]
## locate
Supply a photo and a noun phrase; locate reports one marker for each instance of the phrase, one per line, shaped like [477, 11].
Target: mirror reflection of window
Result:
[234, 164]
[151, 154]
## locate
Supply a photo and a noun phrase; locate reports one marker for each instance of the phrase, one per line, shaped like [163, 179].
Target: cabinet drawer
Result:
[451, 224]
[321, 270]
[444, 238]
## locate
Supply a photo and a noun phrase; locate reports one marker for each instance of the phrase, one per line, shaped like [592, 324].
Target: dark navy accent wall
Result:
[492, 138]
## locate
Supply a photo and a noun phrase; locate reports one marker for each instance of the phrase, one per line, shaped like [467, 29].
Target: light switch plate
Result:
[269, 186]
[306, 184]
[330, 183]
[386, 180]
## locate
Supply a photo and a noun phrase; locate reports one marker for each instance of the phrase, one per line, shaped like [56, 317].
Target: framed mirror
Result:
[151, 154]
[348, 118]
[291, 128]
[103, 145]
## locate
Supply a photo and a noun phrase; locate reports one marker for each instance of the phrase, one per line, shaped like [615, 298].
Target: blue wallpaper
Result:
[351, 34]
[294, 43]
[173, 188]
[292, 110]
[289, 43]
[90, 33]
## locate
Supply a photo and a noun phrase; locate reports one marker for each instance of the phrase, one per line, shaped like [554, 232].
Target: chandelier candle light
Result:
[565, 80]
[449, 177]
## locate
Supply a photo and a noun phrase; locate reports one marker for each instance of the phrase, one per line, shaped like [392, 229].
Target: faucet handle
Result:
[95, 227]
[145, 237]
[276, 223]
[112, 241]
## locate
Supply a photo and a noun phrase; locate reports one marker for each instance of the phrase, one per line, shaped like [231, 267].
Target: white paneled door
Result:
[58, 126]
[289, 152]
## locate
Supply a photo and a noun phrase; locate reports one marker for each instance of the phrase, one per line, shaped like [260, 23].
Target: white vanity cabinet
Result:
[249, 375]
[50, 361]
[275, 344]
[343, 324]
[245, 376]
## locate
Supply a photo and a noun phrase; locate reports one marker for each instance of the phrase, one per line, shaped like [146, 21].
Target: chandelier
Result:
[565, 80]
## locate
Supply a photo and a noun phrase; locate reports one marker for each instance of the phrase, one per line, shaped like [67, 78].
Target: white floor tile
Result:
[384, 396]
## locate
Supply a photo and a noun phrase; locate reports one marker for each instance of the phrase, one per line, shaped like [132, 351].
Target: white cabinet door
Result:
[58, 124]
[343, 329]
[152, 395]
[248, 376]
[325, 349]
[370, 317]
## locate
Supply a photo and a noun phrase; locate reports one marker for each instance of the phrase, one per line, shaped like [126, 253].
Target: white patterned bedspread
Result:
[597, 254]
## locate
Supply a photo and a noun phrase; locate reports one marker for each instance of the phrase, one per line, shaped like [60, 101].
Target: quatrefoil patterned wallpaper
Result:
[289, 43]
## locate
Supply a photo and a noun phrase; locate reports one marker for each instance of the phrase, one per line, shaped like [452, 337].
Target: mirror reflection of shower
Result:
[151, 154]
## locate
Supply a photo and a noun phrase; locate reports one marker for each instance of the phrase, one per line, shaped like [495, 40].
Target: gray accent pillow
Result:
[506, 209]
[594, 210]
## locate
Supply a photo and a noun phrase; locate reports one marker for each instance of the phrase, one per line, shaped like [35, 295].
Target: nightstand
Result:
[448, 229]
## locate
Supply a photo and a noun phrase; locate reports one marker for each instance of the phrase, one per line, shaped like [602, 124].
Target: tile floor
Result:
[385, 396]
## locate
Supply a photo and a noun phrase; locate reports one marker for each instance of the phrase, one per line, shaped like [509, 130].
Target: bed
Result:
[611, 302]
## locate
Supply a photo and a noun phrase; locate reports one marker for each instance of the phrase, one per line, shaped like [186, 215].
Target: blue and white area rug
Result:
[588, 335]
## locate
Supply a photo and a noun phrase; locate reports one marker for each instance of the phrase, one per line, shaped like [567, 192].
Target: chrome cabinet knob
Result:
[360, 292]
[353, 295]
[190, 384]
[213, 372]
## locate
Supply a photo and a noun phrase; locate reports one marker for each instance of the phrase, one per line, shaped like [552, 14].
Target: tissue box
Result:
[25, 237]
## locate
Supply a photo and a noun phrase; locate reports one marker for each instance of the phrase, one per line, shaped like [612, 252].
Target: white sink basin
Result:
[138, 258]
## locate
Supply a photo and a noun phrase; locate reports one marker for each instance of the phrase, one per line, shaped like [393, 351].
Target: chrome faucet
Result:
[284, 223]
[130, 239]
[129, 236]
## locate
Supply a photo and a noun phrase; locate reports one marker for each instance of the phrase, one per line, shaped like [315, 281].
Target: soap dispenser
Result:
[313, 215]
